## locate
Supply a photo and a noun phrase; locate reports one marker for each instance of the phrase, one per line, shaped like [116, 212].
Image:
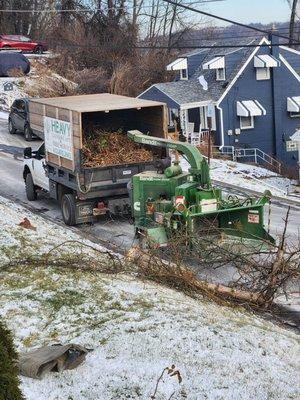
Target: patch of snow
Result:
[136, 330]
[45, 237]
[247, 176]
[4, 115]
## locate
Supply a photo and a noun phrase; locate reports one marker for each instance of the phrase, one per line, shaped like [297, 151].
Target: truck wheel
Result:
[27, 133]
[30, 188]
[11, 128]
[68, 209]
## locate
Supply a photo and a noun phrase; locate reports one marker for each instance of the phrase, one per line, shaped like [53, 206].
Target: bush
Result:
[9, 381]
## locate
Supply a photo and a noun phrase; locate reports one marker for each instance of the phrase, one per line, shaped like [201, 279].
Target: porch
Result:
[193, 122]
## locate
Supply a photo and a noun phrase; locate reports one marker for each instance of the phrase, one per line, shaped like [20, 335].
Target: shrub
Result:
[9, 381]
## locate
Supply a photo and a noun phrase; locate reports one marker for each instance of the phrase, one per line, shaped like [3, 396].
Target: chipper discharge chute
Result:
[170, 202]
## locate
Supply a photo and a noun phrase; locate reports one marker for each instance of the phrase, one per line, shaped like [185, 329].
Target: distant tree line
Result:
[97, 40]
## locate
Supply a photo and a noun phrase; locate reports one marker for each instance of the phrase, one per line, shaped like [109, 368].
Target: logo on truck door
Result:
[58, 137]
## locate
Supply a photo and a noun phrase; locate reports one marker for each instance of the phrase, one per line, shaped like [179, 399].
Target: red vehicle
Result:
[22, 43]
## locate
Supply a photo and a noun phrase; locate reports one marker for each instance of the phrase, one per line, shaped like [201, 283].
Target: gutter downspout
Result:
[274, 90]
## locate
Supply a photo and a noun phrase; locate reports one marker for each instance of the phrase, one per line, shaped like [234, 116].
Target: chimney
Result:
[274, 41]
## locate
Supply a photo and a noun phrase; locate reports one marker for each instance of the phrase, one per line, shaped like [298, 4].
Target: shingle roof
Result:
[183, 92]
[189, 91]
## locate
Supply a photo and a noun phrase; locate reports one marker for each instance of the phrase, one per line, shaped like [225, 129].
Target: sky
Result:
[245, 11]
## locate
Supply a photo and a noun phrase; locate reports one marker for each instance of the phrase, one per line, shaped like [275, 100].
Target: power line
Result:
[92, 10]
[228, 20]
[227, 46]
[66, 45]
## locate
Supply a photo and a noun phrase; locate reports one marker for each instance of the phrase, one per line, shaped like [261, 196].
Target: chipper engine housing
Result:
[172, 202]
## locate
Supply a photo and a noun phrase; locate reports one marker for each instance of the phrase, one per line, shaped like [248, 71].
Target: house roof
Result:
[97, 102]
[183, 92]
[191, 91]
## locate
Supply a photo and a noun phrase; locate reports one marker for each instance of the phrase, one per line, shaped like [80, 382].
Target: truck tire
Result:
[11, 128]
[68, 209]
[27, 133]
[30, 188]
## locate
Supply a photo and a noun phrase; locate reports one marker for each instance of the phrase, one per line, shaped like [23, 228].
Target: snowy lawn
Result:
[136, 330]
[248, 176]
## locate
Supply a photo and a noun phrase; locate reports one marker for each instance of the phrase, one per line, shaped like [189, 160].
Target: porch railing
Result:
[258, 155]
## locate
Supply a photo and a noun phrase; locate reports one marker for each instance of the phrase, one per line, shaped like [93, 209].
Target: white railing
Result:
[225, 151]
[204, 136]
[256, 155]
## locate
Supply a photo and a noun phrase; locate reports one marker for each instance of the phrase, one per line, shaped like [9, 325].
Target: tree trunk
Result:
[145, 260]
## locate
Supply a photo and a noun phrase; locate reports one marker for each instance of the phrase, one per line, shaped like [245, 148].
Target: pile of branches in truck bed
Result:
[102, 148]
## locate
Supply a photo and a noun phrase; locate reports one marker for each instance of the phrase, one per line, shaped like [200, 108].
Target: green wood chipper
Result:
[171, 202]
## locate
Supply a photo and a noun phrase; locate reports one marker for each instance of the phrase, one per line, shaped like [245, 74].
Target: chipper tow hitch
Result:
[172, 202]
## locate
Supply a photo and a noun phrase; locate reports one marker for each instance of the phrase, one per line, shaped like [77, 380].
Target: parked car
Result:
[13, 61]
[18, 119]
[23, 43]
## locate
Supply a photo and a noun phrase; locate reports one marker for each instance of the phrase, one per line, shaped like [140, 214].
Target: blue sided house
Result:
[250, 96]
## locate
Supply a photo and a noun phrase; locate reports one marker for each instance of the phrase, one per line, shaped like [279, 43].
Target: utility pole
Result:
[294, 6]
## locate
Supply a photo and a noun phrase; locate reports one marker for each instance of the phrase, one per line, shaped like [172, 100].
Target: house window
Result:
[247, 122]
[291, 145]
[183, 74]
[262, 74]
[220, 74]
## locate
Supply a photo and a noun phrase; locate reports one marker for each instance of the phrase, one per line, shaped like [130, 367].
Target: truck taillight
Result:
[180, 202]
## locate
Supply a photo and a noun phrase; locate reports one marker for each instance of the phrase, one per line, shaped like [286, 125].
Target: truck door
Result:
[39, 169]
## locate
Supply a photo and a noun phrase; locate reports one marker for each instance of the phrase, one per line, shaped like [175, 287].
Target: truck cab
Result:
[35, 172]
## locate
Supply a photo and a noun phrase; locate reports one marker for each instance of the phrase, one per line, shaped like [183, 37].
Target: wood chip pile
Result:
[102, 148]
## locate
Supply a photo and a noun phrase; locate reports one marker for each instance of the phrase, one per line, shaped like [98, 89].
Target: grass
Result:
[66, 298]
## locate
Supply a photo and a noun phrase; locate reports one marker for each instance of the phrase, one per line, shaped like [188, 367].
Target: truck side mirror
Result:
[27, 152]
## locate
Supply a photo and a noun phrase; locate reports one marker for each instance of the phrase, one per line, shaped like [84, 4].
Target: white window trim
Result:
[294, 114]
[184, 78]
[218, 78]
[268, 75]
[247, 127]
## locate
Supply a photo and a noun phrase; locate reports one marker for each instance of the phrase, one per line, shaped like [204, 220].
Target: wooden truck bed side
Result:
[153, 114]
[38, 111]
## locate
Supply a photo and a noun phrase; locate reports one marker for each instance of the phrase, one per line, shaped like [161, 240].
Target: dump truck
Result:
[58, 167]
[171, 204]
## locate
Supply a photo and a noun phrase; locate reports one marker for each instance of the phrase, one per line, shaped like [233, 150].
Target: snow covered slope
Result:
[136, 330]
[247, 176]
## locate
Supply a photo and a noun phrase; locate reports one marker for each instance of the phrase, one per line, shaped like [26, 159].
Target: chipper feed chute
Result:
[170, 202]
